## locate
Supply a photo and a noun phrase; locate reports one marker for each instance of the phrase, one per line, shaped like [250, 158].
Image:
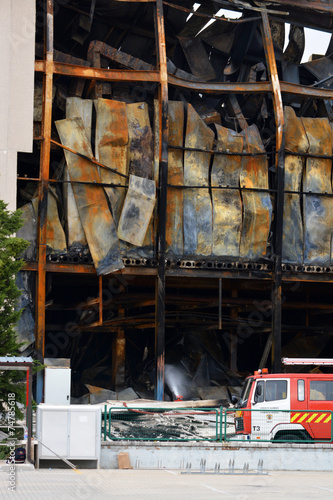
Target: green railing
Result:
[217, 425]
[281, 426]
[157, 424]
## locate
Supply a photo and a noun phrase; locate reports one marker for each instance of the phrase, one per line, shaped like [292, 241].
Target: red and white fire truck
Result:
[287, 406]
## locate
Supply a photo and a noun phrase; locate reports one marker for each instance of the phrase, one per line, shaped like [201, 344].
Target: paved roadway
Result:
[114, 484]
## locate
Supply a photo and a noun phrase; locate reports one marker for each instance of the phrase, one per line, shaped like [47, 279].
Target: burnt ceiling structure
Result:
[178, 199]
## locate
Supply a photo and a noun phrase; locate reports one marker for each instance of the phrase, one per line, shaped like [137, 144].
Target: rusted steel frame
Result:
[209, 88]
[92, 160]
[261, 190]
[162, 201]
[316, 5]
[44, 185]
[218, 152]
[221, 88]
[280, 155]
[113, 75]
[62, 181]
[250, 88]
[199, 14]
[303, 90]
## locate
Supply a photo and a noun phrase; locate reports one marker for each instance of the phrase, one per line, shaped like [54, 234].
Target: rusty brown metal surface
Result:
[111, 143]
[318, 213]
[296, 142]
[91, 202]
[76, 108]
[198, 217]
[44, 175]
[137, 210]
[227, 203]
[211, 88]
[257, 207]
[175, 199]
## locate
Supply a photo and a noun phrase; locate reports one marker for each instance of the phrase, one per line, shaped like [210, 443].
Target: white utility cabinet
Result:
[57, 388]
[72, 432]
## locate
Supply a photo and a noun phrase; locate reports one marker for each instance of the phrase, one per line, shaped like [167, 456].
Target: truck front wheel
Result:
[292, 436]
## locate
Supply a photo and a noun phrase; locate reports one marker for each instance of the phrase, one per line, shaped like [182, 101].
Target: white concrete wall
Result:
[292, 457]
[17, 54]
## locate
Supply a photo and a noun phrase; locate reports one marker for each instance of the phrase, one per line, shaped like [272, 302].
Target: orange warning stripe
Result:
[306, 418]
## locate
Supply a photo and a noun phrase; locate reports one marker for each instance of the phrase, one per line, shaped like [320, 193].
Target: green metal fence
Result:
[279, 425]
[217, 424]
[151, 424]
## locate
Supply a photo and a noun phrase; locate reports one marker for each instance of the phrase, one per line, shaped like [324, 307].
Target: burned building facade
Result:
[178, 197]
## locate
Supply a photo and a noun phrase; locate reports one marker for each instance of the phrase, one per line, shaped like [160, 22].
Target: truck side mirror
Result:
[234, 399]
[258, 390]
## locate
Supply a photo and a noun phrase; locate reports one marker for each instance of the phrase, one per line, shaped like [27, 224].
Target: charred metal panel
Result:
[257, 206]
[137, 210]
[318, 213]
[76, 108]
[198, 217]
[296, 142]
[219, 35]
[175, 199]
[91, 201]
[55, 235]
[197, 58]
[29, 229]
[141, 158]
[227, 203]
[112, 149]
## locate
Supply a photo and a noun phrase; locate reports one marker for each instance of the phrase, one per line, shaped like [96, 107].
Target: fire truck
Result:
[287, 406]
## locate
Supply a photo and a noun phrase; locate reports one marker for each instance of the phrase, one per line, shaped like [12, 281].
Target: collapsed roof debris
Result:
[176, 166]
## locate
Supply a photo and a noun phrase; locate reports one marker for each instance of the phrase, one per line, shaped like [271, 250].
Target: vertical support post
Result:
[119, 357]
[100, 300]
[234, 338]
[279, 163]
[29, 411]
[43, 189]
[220, 303]
[162, 203]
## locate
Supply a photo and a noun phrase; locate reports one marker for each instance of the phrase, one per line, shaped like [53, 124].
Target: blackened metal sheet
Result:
[219, 35]
[76, 108]
[296, 142]
[198, 217]
[55, 235]
[112, 149]
[91, 200]
[318, 210]
[175, 198]
[137, 210]
[227, 203]
[141, 156]
[141, 162]
[29, 229]
[257, 206]
[197, 58]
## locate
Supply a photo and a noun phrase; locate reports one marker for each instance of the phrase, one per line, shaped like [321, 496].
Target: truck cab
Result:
[286, 407]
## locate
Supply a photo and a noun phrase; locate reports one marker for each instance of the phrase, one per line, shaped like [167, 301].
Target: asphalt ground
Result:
[163, 484]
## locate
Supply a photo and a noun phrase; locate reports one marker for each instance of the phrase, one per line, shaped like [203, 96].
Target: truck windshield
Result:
[245, 393]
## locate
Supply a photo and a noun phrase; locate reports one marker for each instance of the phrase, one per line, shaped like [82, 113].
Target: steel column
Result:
[280, 154]
[162, 203]
[43, 187]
